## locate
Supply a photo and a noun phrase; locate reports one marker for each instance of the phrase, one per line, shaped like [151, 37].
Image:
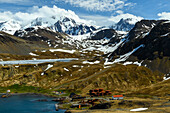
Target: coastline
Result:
[147, 102]
[28, 102]
[29, 93]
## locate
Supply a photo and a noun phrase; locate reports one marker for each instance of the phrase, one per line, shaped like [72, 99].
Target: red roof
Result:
[117, 96]
[96, 89]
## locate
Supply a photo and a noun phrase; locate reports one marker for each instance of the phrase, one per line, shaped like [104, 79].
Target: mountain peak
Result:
[10, 26]
[66, 19]
[130, 20]
[71, 27]
[124, 24]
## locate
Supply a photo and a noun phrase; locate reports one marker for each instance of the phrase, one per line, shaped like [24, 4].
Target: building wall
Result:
[117, 98]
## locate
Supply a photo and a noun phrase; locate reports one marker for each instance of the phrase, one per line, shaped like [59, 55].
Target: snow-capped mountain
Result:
[152, 40]
[64, 25]
[42, 22]
[71, 27]
[147, 42]
[10, 26]
[124, 24]
[39, 22]
[147, 32]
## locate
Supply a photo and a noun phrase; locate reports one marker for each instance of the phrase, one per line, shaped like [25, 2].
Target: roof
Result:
[117, 96]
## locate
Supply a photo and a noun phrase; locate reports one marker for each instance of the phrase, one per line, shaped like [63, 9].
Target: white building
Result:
[8, 91]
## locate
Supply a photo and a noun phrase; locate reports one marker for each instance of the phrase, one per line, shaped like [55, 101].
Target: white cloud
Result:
[44, 12]
[164, 15]
[119, 12]
[12, 1]
[107, 21]
[98, 20]
[98, 5]
[116, 18]
[47, 12]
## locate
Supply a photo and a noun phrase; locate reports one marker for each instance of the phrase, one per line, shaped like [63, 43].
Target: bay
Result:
[27, 103]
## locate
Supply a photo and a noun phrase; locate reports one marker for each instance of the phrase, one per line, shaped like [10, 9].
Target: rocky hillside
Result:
[104, 34]
[74, 75]
[123, 63]
[36, 38]
[154, 38]
[14, 45]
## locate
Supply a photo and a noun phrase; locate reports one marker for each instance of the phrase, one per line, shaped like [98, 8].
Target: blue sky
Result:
[101, 11]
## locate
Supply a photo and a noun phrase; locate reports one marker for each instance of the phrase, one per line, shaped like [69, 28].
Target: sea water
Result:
[27, 104]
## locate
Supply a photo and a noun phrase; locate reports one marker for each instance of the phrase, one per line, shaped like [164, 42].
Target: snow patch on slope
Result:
[62, 50]
[32, 54]
[48, 67]
[87, 62]
[66, 69]
[123, 57]
[166, 77]
[136, 63]
[139, 109]
[126, 56]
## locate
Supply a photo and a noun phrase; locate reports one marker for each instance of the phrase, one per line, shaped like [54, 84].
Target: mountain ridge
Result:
[64, 25]
[123, 25]
[139, 45]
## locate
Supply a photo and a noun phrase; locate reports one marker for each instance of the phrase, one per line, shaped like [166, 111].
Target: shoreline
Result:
[109, 110]
[14, 94]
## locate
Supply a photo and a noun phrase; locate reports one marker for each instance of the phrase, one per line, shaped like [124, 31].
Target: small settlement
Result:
[98, 98]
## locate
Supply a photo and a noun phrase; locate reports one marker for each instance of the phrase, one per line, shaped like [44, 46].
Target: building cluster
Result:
[99, 92]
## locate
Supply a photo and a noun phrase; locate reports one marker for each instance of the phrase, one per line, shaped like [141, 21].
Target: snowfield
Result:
[10, 26]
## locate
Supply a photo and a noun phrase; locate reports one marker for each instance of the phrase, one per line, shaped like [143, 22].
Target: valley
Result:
[133, 63]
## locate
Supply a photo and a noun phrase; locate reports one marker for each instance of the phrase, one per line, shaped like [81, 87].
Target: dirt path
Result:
[150, 110]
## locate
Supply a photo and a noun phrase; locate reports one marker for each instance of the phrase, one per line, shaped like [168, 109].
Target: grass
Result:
[67, 92]
[65, 106]
[118, 78]
[23, 89]
[141, 96]
[68, 106]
